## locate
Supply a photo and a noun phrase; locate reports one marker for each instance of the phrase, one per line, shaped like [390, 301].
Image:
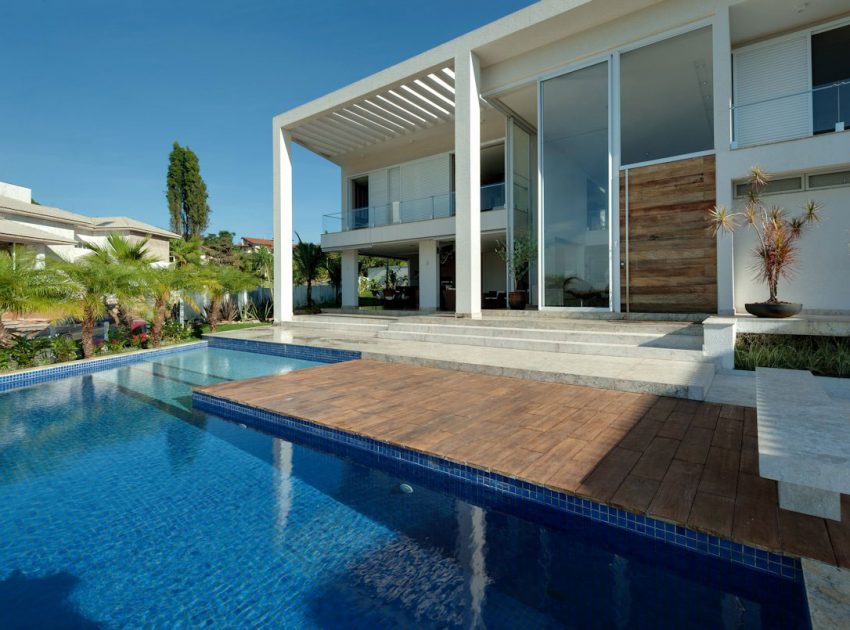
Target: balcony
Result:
[407, 211]
[823, 109]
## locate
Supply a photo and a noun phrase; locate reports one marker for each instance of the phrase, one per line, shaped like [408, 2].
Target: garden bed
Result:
[821, 355]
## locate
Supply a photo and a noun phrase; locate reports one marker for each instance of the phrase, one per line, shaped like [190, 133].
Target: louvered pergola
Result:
[416, 103]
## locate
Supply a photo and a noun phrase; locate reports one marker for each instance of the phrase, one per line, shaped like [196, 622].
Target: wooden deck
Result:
[684, 461]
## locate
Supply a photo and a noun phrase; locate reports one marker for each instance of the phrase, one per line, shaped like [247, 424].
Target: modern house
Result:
[59, 233]
[605, 131]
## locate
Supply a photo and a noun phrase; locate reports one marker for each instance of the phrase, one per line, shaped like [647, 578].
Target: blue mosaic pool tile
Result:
[75, 368]
[287, 350]
[515, 492]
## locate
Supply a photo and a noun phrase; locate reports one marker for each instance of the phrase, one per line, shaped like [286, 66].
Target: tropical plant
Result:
[87, 282]
[776, 233]
[119, 249]
[333, 265]
[260, 262]
[185, 252]
[63, 348]
[308, 260]
[221, 280]
[25, 285]
[519, 258]
[27, 352]
[229, 309]
[162, 286]
[186, 193]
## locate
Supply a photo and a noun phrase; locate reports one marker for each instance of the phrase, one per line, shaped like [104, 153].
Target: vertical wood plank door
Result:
[672, 252]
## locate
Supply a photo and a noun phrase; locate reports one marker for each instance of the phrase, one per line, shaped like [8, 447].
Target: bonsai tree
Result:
[25, 286]
[308, 260]
[777, 234]
[520, 258]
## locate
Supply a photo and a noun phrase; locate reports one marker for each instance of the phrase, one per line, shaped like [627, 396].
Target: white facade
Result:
[54, 232]
[744, 82]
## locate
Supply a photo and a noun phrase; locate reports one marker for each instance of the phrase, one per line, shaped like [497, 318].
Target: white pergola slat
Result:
[406, 107]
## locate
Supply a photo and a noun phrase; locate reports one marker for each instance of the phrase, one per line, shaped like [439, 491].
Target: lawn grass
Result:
[823, 356]
[233, 326]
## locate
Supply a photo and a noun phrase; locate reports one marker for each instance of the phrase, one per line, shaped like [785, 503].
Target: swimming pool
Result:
[121, 506]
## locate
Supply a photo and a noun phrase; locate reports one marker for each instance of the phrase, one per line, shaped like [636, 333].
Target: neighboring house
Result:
[253, 244]
[605, 129]
[59, 233]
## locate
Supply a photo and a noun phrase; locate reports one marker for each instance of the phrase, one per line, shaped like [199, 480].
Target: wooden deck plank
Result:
[692, 463]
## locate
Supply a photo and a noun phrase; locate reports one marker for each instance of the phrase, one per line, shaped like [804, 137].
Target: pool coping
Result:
[41, 374]
[776, 564]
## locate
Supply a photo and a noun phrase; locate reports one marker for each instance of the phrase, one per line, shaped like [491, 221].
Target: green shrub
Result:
[823, 356]
[27, 352]
[172, 330]
[64, 349]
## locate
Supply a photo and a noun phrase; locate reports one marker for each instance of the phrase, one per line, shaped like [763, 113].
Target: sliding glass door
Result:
[575, 172]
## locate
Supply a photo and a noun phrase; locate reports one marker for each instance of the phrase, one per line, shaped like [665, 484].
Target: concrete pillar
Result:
[350, 279]
[722, 62]
[467, 186]
[429, 276]
[282, 225]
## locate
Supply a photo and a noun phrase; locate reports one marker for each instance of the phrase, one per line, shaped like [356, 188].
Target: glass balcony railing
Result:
[408, 211]
[823, 109]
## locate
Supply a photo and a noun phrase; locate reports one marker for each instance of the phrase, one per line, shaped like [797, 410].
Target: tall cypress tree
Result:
[186, 193]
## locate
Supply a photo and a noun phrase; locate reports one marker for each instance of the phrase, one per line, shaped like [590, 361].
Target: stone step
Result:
[636, 338]
[545, 345]
[565, 323]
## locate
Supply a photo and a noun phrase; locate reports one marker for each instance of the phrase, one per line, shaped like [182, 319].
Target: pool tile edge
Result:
[286, 350]
[43, 374]
[706, 544]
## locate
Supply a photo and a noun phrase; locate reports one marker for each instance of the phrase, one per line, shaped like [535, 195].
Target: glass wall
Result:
[520, 223]
[575, 169]
[666, 98]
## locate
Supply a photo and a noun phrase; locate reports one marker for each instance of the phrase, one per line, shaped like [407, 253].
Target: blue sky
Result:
[95, 92]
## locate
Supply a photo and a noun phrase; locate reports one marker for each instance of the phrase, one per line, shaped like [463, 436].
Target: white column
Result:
[282, 225]
[429, 276]
[467, 187]
[722, 51]
[350, 279]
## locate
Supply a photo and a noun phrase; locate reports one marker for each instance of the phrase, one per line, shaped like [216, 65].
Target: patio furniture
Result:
[493, 299]
[803, 438]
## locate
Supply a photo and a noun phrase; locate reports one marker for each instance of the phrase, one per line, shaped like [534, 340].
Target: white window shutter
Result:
[772, 84]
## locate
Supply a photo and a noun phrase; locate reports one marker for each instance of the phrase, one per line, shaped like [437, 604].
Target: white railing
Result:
[822, 109]
[408, 211]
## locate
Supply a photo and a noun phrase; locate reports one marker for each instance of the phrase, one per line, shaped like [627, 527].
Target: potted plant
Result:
[518, 259]
[776, 248]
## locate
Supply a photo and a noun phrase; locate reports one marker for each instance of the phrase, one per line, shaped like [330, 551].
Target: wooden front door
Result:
[670, 255]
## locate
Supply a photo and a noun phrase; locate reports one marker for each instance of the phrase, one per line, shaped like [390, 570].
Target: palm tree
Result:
[25, 285]
[87, 282]
[308, 259]
[161, 285]
[186, 252]
[219, 281]
[333, 265]
[261, 263]
[119, 249]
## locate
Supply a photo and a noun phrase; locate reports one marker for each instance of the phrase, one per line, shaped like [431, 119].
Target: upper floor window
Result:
[791, 87]
[666, 98]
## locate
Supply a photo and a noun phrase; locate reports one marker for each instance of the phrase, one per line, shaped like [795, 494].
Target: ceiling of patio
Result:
[415, 104]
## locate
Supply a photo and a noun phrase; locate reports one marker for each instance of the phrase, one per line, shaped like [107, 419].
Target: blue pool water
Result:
[121, 507]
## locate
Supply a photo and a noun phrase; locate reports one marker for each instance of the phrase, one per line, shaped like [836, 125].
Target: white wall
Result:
[822, 280]
[15, 192]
